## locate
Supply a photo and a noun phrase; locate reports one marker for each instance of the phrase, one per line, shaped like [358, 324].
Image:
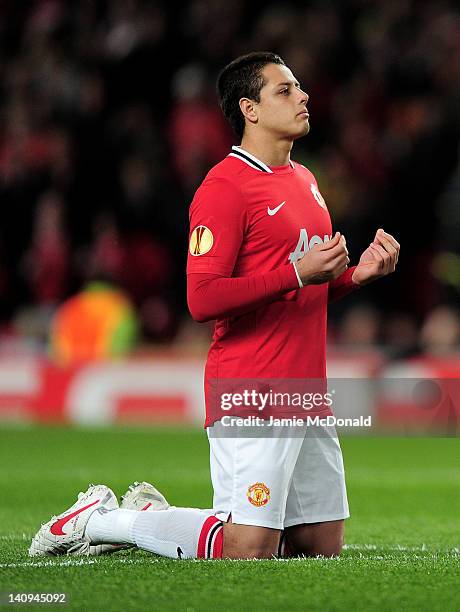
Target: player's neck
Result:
[272, 153]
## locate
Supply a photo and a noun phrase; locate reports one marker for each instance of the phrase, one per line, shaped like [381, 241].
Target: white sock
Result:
[176, 532]
[111, 526]
[184, 533]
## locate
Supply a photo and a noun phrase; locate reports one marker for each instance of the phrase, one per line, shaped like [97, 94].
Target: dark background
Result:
[109, 122]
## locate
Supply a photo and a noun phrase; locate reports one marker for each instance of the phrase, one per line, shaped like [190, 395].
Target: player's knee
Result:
[249, 552]
[333, 550]
[337, 546]
[249, 542]
[317, 539]
[329, 549]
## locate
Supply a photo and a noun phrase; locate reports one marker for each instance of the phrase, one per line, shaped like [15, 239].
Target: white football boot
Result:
[141, 496]
[65, 533]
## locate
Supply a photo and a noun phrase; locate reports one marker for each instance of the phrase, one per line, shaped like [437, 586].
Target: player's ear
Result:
[248, 109]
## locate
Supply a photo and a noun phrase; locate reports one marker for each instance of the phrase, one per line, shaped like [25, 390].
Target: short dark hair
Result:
[242, 78]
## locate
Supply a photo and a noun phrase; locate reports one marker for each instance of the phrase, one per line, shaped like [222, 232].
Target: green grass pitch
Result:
[403, 540]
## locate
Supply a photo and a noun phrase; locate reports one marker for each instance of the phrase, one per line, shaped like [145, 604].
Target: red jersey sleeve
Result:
[218, 220]
[342, 285]
[213, 297]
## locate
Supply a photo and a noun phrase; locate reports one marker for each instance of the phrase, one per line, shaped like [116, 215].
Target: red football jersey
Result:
[246, 219]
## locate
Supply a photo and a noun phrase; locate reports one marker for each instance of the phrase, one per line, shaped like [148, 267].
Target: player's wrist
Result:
[355, 279]
[301, 284]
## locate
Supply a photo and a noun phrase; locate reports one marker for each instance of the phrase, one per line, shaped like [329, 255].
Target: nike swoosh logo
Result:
[273, 211]
[56, 528]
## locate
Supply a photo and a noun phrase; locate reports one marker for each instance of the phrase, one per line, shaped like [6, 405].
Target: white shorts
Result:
[277, 481]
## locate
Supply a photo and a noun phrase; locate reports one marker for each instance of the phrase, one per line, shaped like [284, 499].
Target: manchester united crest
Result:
[318, 197]
[258, 494]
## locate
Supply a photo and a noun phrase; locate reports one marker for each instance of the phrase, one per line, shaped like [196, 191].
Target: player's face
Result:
[282, 109]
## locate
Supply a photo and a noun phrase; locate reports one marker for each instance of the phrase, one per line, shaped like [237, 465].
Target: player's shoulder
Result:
[223, 181]
[227, 172]
[304, 171]
[219, 192]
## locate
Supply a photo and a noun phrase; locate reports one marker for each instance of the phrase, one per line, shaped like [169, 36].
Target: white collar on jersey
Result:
[251, 160]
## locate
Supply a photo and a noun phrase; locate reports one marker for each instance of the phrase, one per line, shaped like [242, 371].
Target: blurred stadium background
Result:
[109, 122]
